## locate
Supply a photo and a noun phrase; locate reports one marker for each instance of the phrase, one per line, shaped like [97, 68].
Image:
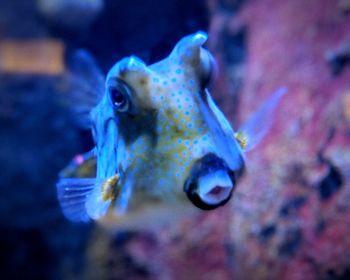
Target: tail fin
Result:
[254, 130]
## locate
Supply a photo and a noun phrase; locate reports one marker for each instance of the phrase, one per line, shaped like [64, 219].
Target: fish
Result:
[162, 145]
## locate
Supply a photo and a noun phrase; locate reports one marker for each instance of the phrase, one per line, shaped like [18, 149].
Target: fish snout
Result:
[210, 183]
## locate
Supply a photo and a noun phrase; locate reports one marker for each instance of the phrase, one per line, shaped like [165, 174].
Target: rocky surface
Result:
[291, 218]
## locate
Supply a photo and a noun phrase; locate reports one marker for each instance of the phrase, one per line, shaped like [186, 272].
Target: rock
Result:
[70, 14]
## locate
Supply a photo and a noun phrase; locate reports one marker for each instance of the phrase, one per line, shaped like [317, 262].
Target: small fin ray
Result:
[72, 194]
[85, 87]
[254, 130]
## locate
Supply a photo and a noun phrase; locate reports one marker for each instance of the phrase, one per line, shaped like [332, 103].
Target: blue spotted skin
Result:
[174, 122]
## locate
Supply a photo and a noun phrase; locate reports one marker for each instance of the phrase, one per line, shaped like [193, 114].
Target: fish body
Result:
[162, 144]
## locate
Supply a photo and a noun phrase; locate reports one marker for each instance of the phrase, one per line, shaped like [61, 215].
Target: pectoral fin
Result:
[81, 166]
[82, 199]
[72, 194]
[103, 194]
[254, 130]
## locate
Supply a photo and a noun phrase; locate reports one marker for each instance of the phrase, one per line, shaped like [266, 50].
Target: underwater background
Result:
[289, 217]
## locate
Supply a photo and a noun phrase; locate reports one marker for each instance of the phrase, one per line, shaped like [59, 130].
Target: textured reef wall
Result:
[291, 216]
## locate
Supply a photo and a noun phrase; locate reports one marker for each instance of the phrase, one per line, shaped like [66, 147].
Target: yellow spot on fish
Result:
[241, 139]
[109, 188]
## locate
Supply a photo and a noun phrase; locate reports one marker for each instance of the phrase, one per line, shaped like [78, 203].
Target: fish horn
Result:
[189, 47]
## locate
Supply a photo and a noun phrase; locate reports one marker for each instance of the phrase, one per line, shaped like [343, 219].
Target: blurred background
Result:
[290, 215]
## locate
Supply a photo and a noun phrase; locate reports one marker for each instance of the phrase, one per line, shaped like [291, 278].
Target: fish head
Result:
[159, 128]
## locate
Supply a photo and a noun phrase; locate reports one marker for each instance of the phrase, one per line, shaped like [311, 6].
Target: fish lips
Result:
[210, 183]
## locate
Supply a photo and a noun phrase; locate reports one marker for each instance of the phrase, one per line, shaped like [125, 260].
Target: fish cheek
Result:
[143, 83]
[138, 81]
[132, 127]
[143, 117]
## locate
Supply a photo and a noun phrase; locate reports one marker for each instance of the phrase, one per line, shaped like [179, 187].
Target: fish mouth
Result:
[210, 183]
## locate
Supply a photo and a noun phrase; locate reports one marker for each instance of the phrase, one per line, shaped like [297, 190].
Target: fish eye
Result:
[119, 94]
[117, 97]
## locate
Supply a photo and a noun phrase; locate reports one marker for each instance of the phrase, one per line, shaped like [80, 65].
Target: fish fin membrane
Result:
[257, 126]
[81, 166]
[72, 195]
[122, 201]
[221, 129]
[96, 205]
[86, 87]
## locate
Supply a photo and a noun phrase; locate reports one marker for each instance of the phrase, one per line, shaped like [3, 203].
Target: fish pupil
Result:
[117, 97]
